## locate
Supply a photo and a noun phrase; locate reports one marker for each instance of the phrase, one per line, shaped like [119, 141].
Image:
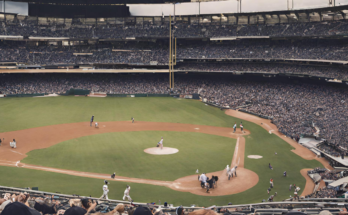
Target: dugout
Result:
[79, 92]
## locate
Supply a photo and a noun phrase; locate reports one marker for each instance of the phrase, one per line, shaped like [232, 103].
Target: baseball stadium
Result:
[161, 107]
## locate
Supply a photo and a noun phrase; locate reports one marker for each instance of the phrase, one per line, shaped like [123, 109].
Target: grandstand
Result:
[285, 65]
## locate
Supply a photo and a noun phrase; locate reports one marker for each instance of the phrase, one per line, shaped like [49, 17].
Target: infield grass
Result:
[123, 153]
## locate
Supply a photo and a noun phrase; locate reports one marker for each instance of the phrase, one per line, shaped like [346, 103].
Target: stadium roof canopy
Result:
[102, 1]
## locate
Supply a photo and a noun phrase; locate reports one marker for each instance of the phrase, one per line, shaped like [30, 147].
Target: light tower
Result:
[172, 54]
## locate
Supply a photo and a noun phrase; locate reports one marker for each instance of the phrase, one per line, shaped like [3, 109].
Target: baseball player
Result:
[234, 170]
[132, 119]
[227, 170]
[126, 194]
[13, 144]
[91, 121]
[105, 191]
[241, 127]
[203, 179]
[207, 186]
[230, 173]
[160, 143]
[234, 127]
[0, 141]
[96, 125]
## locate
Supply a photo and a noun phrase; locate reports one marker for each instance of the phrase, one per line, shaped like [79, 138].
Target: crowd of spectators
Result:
[293, 107]
[23, 203]
[273, 68]
[331, 149]
[145, 52]
[269, 49]
[119, 53]
[329, 175]
[58, 83]
[324, 193]
[76, 29]
[149, 53]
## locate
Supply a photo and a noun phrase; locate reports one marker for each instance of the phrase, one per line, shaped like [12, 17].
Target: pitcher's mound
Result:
[159, 151]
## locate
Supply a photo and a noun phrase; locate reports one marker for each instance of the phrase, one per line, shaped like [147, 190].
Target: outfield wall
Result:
[141, 95]
[25, 95]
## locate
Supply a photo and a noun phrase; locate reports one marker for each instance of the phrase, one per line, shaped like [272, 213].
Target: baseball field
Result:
[58, 151]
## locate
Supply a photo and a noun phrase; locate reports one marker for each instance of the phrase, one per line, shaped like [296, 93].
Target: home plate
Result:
[254, 156]
[159, 151]
[197, 128]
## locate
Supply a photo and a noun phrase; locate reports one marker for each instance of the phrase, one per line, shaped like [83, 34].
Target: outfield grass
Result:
[21, 113]
[123, 153]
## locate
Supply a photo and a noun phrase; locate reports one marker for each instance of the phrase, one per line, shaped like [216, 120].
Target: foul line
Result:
[16, 152]
[85, 174]
[235, 154]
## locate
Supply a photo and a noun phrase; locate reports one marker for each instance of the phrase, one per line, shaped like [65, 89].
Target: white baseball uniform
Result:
[13, 144]
[227, 169]
[203, 178]
[105, 192]
[161, 143]
[126, 194]
[233, 170]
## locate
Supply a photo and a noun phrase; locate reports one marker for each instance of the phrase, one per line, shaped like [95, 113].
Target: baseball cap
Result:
[142, 211]
[75, 211]
[16, 208]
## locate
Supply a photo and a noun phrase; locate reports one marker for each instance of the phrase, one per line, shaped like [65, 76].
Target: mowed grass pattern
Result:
[24, 113]
[123, 153]
[21, 113]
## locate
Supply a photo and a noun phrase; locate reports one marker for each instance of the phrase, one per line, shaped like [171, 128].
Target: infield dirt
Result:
[43, 137]
[300, 150]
